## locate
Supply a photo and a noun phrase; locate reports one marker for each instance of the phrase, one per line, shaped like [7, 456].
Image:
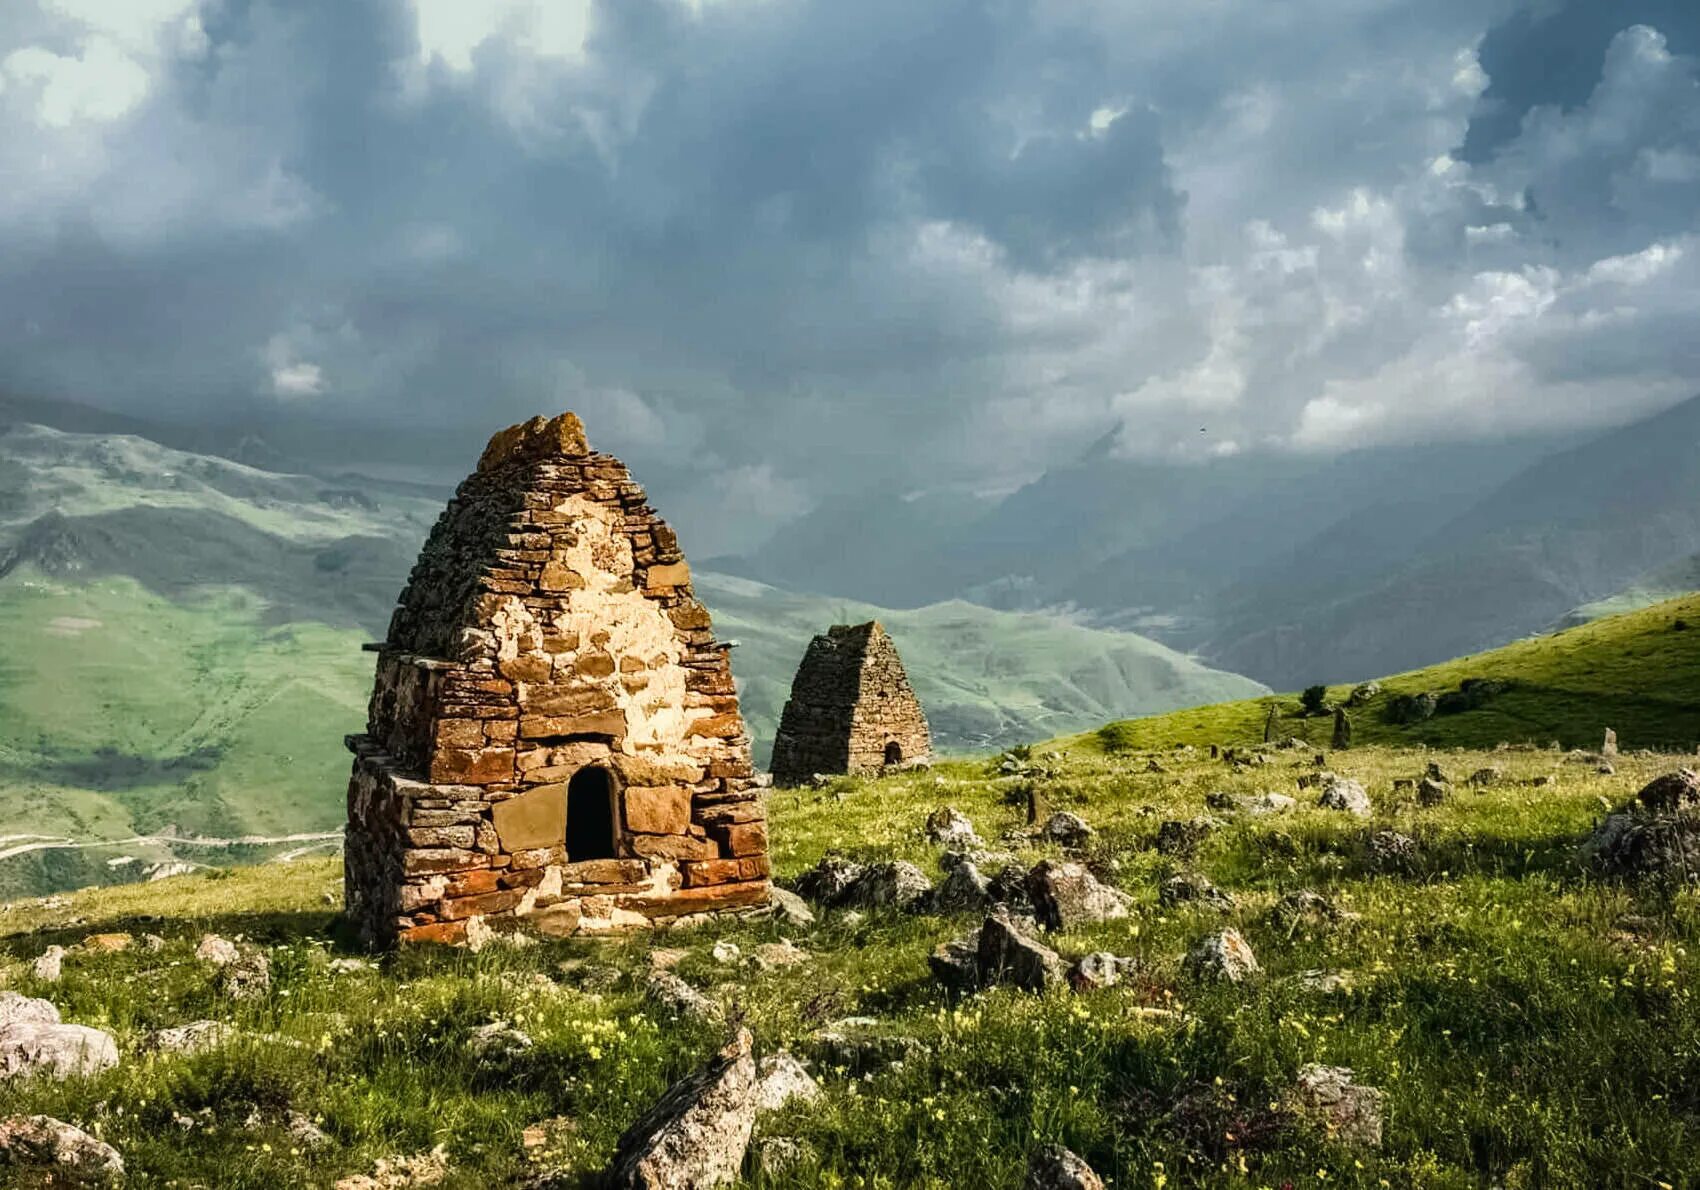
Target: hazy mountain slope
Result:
[986, 678]
[1656, 586]
[1576, 526]
[1638, 673]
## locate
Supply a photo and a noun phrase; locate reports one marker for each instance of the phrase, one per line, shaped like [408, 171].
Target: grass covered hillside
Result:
[1638, 673]
[1527, 1025]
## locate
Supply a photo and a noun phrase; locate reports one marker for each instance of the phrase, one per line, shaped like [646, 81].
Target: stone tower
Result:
[554, 741]
[851, 710]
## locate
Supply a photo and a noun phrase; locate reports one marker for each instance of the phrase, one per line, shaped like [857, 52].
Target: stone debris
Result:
[220, 952]
[949, 827]
[697, 1133]
[788, 906]
[554, 744]
[1636, 844]
[1608, 749]
[831, 881]
[1431, 792]
[193, 1038]
[247, 978]
[772, 1157]
[107, 943]
[49, 966]
[1100, 969]
[963, 890]
[1264, 803]
[1345, 795]
[1304, 906]
[1068, 829]
[784, 953]
[348, 966]
[859, 1045]
[1056, 1168]
[58, 1150]
[1183, 838]
[1066, 895]
[1194, 888]
[402, 1173]
[1482, 778]
[725, 953]
[60, 1051]
[1390, 851]
[1006, 954]
[851, 710]
[1673, 791]
[1222, 956]
[1351, 1113]
[498, 1042]
[899, 884]
[19, 1009]
[956, 964]
[1325, 983]
[782, 1079]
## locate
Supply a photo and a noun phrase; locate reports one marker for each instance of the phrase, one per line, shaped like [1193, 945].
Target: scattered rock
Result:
[790, 907]
[859, 1045]
[949, 827]
[956, 964]
[1100, 969]
[783, 953]
[1056, 1168]
[1265, 803]
[1191, 887]
[1346, 795]
[830, 881]
[54, 1049]
[47, 968]
[696, 1134]
[899, 884]
[19, 1009]
[153, 943]
[1068, 829]
[1352, 1114]
[964, 890]
[1609, 747]
[1066, 895]
[347, 966]
[782, 1078]
[397, 1173]
[1637, 845]
[192, 1038]
[57, 1149]
[1007, 955]
[1390, 851]
[1431, 792]
[1305, 906]
[1436, 773]
[220, 952]
[107, 943]
[303, 1131]
[1224, 956]
[1484, 777]
[1179, 838]
[498, 1042]
[1673, 791]
[680, 998]
[726, 953]
[1606, 770]
[1363, 693]
[1342, 730]
[772, 1157]
[248, 977]
[1326, 983]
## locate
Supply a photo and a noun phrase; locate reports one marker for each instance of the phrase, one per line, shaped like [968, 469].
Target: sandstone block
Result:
[535, 818]
[658, 810]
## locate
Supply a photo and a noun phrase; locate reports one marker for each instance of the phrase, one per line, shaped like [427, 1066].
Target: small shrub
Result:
[1314, 700]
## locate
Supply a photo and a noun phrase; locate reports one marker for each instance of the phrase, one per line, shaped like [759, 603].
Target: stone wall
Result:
[851, 708]
[554, 738]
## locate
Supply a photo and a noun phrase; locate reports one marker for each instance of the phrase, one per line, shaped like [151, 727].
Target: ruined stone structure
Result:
[554, 739]
[851, 710]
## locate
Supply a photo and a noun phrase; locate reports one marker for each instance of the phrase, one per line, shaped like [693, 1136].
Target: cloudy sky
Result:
[776, 251]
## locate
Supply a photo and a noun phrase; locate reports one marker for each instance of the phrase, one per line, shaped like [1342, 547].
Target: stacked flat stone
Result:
[851, 709]
[549, 633]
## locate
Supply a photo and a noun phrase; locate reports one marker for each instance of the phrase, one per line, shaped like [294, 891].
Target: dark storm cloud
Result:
[777, 249]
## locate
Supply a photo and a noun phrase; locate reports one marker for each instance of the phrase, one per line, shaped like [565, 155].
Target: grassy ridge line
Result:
[1638, 673]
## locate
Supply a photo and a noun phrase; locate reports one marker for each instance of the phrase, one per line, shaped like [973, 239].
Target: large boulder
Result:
[950, 827]
[1345, 795]
[696, 1134]
[1350, 1113]
[1223, 956]
[1056, 1168]
[1673, 791]
[1636, 845]
[899, 884]
[61, 1153]
[55, 1050]
[1066, 895]
[1005, 954]
[18, 1009]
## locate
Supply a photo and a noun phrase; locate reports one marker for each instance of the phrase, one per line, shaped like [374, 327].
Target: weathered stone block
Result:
[658, 810]
[494, 902]
[535, 818]
[472, 766]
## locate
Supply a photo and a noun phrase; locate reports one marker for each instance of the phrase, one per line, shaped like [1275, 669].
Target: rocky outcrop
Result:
[696, 1134]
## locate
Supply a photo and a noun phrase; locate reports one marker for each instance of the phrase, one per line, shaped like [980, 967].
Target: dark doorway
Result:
[590, 815]
[893, 753]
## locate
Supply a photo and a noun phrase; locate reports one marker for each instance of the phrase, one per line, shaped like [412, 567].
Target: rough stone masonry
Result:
[851, 709]
[554, 741]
